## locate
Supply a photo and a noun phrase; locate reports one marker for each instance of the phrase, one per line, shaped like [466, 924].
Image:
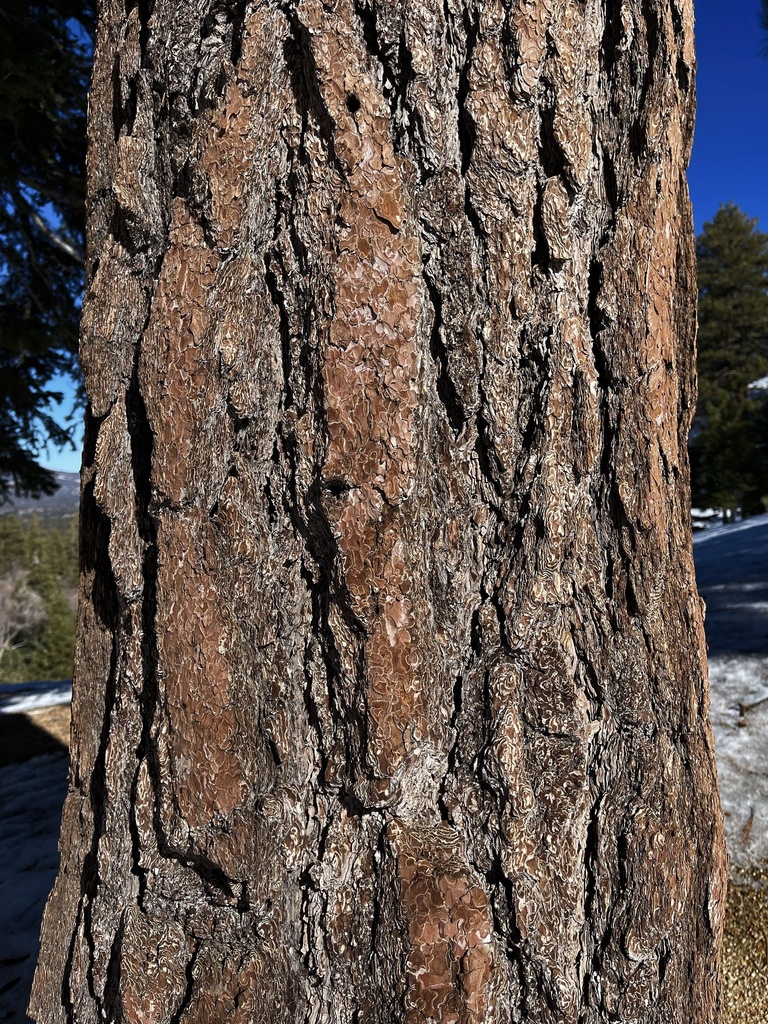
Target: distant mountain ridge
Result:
[63, 504]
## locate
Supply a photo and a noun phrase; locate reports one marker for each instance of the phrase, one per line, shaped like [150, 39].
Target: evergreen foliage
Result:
[45, 53]
[729, 444]
[44, 555]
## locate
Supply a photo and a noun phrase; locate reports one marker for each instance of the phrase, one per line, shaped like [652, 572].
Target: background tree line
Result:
[729, 440]
[38, 597]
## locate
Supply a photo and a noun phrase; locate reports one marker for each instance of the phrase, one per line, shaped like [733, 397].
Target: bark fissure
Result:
[446, 389]
[278, 300]
[99, 787]
[466, 126]
[189, 990]
[306, 88]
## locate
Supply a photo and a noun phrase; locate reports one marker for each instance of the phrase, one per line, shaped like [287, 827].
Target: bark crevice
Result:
[446, 388]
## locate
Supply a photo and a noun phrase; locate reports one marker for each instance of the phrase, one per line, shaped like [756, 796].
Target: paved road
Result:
[732, 573]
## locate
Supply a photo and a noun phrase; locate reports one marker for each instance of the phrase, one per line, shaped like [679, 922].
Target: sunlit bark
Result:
[391, 699]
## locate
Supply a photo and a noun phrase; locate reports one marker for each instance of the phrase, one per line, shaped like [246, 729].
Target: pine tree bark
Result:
[391, 699]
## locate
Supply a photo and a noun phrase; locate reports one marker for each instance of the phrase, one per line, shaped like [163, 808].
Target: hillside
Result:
[63, 504]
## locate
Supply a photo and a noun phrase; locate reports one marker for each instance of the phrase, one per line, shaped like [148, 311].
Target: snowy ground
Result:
[31, 795]
[17, 697]
[732, 571]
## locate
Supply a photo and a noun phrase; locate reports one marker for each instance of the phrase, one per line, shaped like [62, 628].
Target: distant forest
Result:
[38, 597]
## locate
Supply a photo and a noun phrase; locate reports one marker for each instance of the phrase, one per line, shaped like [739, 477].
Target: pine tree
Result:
[390, 700]
[45, 51]
[12, 542]
[728, 454]
[39, 558]
[51, 657]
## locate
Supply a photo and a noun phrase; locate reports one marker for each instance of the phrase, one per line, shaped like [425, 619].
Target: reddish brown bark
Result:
[391, 698]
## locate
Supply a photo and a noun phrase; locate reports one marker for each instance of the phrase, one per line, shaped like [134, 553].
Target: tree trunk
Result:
[391, 700]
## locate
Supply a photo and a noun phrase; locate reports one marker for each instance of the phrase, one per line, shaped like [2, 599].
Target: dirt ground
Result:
[32, 733]
[745, 954]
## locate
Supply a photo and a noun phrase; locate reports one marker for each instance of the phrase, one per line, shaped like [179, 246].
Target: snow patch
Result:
[761, 384]
[19, 697]
[729, 529]
[740, 722]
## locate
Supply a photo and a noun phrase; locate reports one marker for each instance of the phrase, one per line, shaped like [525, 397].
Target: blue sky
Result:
[730, 148]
